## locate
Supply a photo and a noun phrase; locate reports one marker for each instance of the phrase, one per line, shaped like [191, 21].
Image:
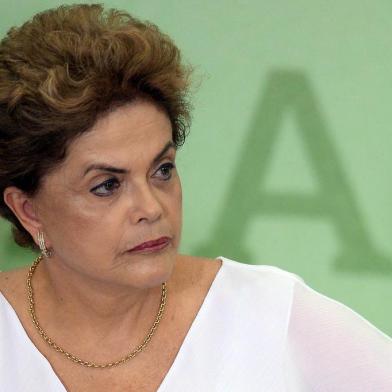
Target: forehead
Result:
[131, 131]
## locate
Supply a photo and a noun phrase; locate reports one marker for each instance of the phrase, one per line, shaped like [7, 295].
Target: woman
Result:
[93, 107]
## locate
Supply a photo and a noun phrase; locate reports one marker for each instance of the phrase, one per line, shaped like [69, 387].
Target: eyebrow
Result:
[112, 169]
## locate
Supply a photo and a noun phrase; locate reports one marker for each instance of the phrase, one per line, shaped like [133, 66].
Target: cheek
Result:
[176, 208]
[174, 198]
[71, 220]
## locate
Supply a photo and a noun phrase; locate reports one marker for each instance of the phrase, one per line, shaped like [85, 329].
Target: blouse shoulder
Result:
[260, 275]
[327, 346]
[350, 351]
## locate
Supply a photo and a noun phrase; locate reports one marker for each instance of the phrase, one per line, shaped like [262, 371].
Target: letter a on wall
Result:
[333, 199]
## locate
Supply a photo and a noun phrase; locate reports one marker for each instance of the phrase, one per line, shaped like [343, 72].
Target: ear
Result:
[24, 209]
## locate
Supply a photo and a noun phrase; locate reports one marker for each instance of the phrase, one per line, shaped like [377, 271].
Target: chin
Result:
[150, 270]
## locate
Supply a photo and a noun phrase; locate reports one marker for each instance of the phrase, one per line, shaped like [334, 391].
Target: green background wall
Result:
[288, 162]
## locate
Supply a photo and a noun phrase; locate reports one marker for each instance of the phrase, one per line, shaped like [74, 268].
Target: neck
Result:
[70, 301]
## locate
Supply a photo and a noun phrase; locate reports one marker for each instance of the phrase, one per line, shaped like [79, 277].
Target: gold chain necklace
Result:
[74, 358]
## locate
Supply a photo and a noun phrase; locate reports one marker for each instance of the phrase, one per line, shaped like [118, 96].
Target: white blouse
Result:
[260, 328]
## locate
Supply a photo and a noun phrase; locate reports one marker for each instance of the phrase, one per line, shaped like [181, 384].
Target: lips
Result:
[151, 245]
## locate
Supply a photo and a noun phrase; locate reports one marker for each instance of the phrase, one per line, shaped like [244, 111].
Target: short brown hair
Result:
[63, 69]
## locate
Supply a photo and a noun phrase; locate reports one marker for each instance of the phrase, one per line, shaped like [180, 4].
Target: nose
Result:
[145, 204]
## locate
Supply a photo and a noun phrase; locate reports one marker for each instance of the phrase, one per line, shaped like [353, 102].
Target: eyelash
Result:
[113, 180]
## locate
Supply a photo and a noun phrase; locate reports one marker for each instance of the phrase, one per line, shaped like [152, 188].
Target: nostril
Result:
[151, 209]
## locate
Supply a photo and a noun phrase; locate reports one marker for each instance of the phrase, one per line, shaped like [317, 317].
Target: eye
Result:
[166, 170]
[109, 185]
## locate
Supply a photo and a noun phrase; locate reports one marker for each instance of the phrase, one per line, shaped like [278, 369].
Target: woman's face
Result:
[92, 216]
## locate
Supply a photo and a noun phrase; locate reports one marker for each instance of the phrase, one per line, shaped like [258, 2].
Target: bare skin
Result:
[93, 296]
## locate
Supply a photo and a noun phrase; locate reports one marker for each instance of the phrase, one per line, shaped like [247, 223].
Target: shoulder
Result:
[260, 274]
[12, 284]
[264, 289]
[312, 310]
[196, 271]
[350, 349]
[239, 275]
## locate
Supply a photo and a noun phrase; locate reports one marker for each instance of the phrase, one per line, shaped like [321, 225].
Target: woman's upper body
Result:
[93, 107]
[246, 328]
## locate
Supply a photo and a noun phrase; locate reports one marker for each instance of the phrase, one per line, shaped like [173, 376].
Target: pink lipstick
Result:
[151, 246]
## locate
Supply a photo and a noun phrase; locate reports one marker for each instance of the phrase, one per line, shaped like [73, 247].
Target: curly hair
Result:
[63, 69]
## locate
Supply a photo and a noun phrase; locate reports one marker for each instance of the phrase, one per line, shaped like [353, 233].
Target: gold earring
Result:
[42, 246]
